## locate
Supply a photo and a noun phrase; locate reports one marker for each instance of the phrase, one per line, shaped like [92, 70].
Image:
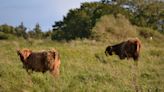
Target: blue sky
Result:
[30, 12]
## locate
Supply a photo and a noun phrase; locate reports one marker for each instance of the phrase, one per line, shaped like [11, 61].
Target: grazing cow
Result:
[126, 49]
[40, 61]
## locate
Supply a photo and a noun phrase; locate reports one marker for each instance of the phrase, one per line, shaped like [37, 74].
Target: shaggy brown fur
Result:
[126, 49]
[40, 61]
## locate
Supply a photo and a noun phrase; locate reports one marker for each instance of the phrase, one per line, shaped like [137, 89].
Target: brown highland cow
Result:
[40, 61]
[126, 49]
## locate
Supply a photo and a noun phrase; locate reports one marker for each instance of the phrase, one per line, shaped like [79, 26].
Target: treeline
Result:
[78, 23]
[21, 31]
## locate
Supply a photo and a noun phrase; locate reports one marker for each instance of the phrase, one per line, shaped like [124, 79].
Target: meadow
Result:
[84, 68]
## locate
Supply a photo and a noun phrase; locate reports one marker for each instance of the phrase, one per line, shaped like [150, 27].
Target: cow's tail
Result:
[138, 45]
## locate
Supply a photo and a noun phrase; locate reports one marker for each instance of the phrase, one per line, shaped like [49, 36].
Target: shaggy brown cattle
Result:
[126, 49]
[40, 61]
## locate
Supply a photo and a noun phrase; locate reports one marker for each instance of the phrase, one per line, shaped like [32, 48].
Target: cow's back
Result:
[37, 61]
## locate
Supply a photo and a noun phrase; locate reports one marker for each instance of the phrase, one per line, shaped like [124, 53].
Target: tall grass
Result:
[84, 68]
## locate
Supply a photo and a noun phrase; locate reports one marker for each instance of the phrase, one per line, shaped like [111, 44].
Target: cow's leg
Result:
[121, 56]
[27, 69]
[135, 57]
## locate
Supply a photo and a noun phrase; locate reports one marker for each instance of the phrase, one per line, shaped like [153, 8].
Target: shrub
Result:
[3, 36]
[147, 33]
[110, 27]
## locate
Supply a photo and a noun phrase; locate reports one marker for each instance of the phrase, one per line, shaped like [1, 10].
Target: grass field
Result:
[84, 68]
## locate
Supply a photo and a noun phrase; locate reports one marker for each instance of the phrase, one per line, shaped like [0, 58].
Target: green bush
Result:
[110, 27]
[150, 33]
[3, 36]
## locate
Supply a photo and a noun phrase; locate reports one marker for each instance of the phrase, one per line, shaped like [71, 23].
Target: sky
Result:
[30, 12]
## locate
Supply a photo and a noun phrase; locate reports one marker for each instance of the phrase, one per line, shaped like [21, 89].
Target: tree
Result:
[79, 22]
[37, 30]
[7, 29]
[21, 31]
[148, 13]
[75, 25]
[47, 34]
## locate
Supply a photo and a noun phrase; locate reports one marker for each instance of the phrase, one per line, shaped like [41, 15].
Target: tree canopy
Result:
[79, 22]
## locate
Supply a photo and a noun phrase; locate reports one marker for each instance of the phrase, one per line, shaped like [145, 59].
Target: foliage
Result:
[148, 33]
[21, 31]
[113, 27]
[149, 14]
[79, 22]
[36, 32]
[47, 34]
[3, 36]
[7, 29]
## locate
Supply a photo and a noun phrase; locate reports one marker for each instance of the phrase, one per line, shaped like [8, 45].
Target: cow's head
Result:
[24, 54]
[109, 50]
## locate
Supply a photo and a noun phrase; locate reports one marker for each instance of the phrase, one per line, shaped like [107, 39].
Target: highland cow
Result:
[127, 49]
[40, 61]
